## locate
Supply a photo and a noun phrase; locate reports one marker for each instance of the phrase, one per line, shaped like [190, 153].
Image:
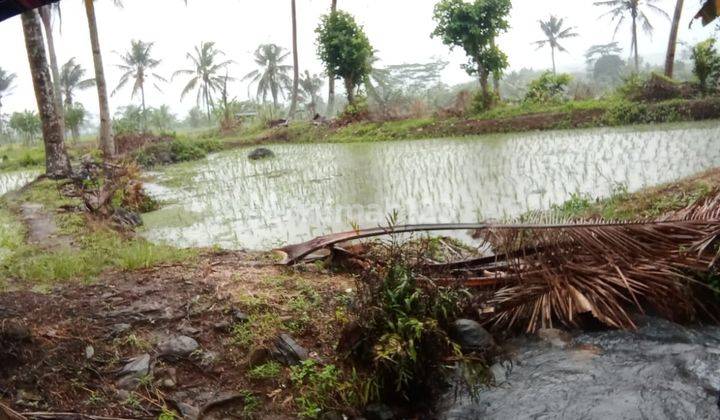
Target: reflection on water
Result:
[309, 190]
[10, 181]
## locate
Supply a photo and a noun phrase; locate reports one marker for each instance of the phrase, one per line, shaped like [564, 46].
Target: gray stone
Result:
[288, 351]
[240, 316]
[118, 329]
[261, 153]
[177, 347]
[471, 336]
[138, 366]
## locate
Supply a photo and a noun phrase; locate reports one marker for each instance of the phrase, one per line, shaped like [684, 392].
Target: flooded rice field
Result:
[314, 189]
[10, 181]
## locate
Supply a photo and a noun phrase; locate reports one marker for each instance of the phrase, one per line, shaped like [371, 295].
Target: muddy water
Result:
[314, 189]
[662, 371]
[10, 181]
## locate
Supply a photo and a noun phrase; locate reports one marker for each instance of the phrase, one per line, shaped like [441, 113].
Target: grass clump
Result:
[175, 151]
[269, 370]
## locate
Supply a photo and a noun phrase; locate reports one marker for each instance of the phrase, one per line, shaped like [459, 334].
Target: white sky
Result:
[399, 29]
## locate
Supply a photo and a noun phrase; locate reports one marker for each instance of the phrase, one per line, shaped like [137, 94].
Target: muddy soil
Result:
[63, 351]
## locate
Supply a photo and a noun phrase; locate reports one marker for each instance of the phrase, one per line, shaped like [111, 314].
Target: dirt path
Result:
[42, 230]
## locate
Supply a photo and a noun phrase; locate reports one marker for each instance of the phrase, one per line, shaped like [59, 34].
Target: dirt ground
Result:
[62, 351]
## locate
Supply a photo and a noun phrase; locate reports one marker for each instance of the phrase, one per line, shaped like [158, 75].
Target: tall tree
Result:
[554, 33]
[72, 78]
[107, 143]
[619, 11]
[272, 77]
[137, 64]
[296, 70]
[672, 43]
[474, 27]
[6, 84]
[205, 75]
[57, 163]
[46, 15]
[345, 50]
[331, 82]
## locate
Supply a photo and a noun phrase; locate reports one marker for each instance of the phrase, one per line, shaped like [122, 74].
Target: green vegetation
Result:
[474, 27]
[345, 50]
[645, 204]
[706, 65]
[87, 252]
[548, 88]
[269, 370]
[177, 150]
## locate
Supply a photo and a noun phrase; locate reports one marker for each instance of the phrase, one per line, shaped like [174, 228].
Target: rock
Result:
[138, 366]
[223, 326]
[209, 358]
[89, 352]
[188, 411]
[168, 383]
[379, 412]
[261, 153]
[177, 347]
[555, 337]
[240, 316]
[119, 329]
[288, 351]
[188, 330]
[471, 336]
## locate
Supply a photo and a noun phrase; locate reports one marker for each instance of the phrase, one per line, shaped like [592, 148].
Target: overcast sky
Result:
[398, 29]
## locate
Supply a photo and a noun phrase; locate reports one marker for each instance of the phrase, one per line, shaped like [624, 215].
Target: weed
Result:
[269, 370]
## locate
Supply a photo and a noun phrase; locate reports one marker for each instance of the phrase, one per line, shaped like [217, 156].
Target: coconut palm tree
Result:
[331, 82]
[137, 64]
[46, 15]
[206, 74]
[72, 78]
[310, 86]
[107, 143]
[296, 70]
[636, 9]
[6, 85]
[672, 43]
[272, 77]
[554, 33]
[57, 163]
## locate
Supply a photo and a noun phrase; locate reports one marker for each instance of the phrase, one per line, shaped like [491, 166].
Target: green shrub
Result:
[548, 88]
[706, 65]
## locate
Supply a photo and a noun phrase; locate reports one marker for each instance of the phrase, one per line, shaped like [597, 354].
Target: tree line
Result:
[342, 46]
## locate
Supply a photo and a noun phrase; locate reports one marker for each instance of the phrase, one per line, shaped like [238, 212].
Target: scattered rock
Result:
[188, 330]
[119, 329]
[89, 352]
[471, 336]
[288, 351]
[223, 326]
[188, 411]
[177, 347]
[379, 412]
[240, 316]
[555, 337]
[138, 366]
[261, 153]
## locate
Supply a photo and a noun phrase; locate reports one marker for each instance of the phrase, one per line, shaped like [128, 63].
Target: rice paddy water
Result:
[314, 189]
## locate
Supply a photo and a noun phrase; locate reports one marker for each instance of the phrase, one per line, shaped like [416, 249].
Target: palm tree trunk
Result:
[552, 51]
[45, 15]
[107, 143]
[331, 90]
[206, 93]
[57, 163]
[142, 95]
[672, 44]
[635, 40]
[296, 70]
